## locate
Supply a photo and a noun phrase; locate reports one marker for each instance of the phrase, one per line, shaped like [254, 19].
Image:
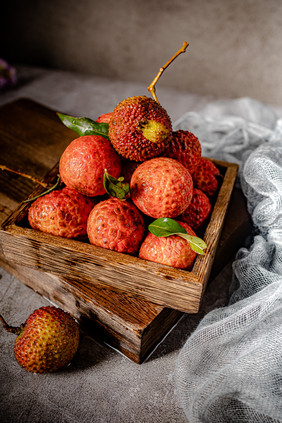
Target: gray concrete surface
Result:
[100, 385]
[235, 45]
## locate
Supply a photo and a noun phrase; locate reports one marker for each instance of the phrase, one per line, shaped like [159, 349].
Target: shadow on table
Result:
[216, 296]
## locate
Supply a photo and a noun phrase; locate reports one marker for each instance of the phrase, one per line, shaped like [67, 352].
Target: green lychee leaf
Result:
[196, 243]
[165, 226]
[85, 126]
[116, 187]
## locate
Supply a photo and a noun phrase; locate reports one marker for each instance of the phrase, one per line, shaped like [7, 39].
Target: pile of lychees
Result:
[125, 170]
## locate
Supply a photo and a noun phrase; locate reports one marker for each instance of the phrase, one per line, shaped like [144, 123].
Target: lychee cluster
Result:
[167, 178]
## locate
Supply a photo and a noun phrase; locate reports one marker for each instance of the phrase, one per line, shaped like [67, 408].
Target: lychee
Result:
[172, 250]
[161, 187]
[206, 176]
[116, 225]
[140, 128]
[47, 341]
[186, 148]
[84, 161]
[104, 118]
[61, 212]
[196, 214]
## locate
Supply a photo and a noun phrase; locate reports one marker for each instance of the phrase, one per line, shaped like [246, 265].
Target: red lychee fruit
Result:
[84, 161]
[116, 225]
[171, 250]
[62, 212]
[205, 177]
[186, 148]
[104, 118]
[140, 128]
[161, 187]
[47, 341]
[198, 210]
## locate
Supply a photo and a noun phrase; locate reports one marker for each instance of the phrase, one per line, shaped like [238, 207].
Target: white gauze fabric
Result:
[230, 368]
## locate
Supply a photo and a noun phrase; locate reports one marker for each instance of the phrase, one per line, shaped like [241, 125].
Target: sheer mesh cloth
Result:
[230, 368]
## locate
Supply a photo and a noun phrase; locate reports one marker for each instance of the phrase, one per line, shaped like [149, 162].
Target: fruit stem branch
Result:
[32, 178]
[12, 329]
[151, 87]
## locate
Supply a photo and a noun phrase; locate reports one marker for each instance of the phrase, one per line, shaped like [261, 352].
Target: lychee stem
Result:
[151, 87]
[32, 178]
[12, 329]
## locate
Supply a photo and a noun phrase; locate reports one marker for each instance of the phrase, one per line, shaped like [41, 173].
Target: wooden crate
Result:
[84, 265]
[127, 322]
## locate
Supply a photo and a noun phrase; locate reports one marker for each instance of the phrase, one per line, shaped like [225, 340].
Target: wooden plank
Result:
[89, 265]
[32, 138]
[112, 312]
[203, 264]
[130, 325]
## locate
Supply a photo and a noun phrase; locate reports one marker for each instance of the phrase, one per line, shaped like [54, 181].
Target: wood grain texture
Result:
[130, 325]
[88, 265]
[122, 318]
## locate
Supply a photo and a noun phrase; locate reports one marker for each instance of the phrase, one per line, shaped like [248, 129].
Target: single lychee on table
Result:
[47, 341]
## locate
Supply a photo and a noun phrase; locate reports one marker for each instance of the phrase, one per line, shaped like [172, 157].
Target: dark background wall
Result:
[235, 45]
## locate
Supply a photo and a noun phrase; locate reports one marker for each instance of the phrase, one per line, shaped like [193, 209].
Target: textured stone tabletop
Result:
[100, 385]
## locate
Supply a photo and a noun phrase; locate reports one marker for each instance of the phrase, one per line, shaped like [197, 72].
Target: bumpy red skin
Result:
[49, 340]
[198, 210]
[104, 118]
[125, 133]
[62, 212]
[172, 250]
[204, 177]
[161, 187]
[186, 148]
[116, 225]
[83, 163]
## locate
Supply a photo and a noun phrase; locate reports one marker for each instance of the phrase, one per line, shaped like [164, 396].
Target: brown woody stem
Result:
[151, 87]
[53, 187]
[24, 175]
[12, 329]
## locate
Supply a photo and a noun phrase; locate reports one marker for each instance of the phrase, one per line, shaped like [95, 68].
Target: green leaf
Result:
[116, 187]
[165, 226]
[85, 126]
[57, 184]
[197, 244]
